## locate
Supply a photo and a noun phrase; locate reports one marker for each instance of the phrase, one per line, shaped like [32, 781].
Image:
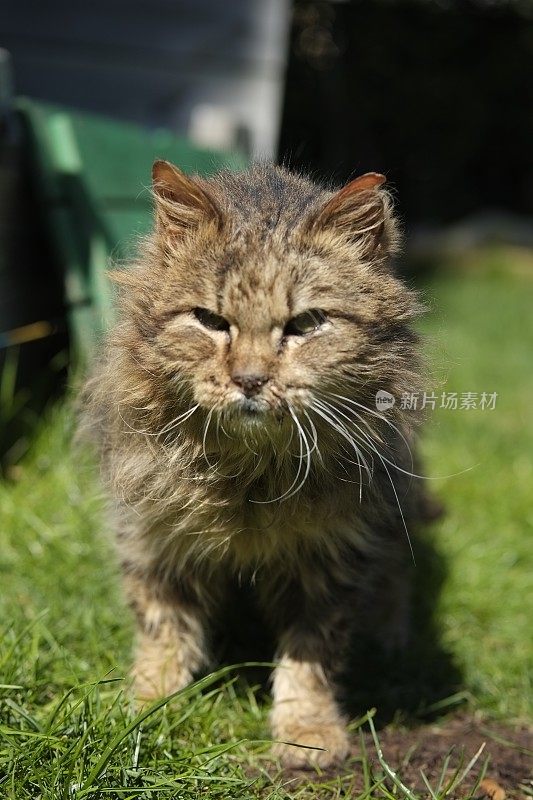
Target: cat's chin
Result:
[253, 412]
[252, 407]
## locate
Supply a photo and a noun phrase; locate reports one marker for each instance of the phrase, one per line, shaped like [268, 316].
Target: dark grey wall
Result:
[152, 62]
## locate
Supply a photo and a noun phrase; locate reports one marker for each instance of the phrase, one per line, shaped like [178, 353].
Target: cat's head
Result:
[263, 296]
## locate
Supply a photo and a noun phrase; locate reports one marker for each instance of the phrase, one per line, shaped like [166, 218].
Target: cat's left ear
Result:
[181, 202]
[357, 211]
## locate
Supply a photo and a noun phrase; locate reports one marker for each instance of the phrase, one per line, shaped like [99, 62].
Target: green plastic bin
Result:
[93, 175]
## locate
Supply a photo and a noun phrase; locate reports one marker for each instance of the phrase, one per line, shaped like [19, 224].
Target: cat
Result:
[234, 410]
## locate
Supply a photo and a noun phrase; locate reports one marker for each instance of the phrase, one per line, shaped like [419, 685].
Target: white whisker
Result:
[315, 436]
[289, 492]
[326, 415]
[177, 421]
[372, 445]
[346, 433]
[381, 417]
[204, 439]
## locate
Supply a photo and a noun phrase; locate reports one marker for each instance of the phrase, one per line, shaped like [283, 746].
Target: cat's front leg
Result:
[305, 710]
[170, 645]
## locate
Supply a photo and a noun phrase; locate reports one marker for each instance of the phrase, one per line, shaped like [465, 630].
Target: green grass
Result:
[67, 729]
[482, 340]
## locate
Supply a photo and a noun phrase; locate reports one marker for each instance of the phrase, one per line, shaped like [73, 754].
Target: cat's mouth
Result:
[255, 412]
[252, 406]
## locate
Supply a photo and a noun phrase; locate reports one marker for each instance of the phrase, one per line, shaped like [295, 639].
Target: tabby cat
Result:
[234, 409]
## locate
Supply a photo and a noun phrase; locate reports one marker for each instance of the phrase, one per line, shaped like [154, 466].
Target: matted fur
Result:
[295, 490]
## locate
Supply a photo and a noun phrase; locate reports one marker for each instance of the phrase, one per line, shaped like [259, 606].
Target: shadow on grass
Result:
[419, 681]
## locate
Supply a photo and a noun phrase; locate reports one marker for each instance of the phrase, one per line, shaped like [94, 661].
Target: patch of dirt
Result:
[407, 751]
[509, 752]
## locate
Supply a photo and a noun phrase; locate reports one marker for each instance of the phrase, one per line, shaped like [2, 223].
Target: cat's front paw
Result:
[331, 739]
[147, 688]
[154, 678]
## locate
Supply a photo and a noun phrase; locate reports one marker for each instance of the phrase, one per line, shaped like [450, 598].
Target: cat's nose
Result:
[250, 383]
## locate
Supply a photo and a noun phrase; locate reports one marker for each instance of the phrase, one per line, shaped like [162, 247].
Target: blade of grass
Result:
[387, 769]
[197, 686]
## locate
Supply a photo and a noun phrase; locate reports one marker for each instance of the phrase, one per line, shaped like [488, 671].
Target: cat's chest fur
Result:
[192, 516]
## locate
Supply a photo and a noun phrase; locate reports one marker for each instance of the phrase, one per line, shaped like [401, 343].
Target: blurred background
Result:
[437, 94]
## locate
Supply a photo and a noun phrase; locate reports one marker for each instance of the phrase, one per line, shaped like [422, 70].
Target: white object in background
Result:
[240, 104]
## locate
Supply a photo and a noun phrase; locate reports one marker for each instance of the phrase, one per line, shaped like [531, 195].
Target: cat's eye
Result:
[307, 322]
[211, 320]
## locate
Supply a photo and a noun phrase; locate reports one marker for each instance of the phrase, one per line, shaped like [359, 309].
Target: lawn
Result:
[67, 728]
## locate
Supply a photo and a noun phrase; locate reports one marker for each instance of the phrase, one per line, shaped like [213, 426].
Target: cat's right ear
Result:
[182, 203]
